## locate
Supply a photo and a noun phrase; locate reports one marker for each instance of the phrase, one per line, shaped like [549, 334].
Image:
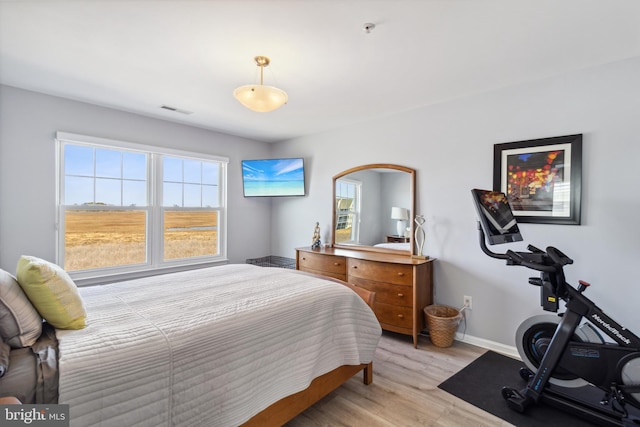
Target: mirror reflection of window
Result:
[348, 193]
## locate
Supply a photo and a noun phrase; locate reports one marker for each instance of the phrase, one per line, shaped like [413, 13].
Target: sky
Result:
[119, 178]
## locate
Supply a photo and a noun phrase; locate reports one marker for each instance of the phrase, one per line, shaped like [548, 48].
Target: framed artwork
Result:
[541, 177]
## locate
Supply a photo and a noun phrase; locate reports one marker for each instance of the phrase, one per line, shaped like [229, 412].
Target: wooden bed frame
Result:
[289, 407]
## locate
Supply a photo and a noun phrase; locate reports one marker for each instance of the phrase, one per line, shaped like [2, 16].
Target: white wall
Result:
[28, 123]
[451, 147]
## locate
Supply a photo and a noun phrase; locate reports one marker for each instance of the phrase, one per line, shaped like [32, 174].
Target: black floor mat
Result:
[481, 383]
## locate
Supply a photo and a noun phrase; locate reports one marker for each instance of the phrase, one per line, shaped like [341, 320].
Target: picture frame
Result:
[542, 178]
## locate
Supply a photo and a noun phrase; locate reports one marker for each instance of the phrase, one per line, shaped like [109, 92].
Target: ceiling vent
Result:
[176, 110]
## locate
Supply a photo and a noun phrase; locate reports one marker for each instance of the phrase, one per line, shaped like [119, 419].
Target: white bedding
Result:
[399, 246]
[208, 347]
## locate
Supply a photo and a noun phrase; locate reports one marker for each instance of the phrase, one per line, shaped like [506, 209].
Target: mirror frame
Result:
[412, 179]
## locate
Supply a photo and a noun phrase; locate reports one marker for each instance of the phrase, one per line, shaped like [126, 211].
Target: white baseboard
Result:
[510, 351]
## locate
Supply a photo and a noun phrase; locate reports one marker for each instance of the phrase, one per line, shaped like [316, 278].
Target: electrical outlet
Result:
[468, 301]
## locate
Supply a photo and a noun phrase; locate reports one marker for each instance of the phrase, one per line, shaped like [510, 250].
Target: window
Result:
[126, 207]
[347, 210]
[190, 191]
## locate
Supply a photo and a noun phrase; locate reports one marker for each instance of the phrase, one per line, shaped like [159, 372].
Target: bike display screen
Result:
[496, 217]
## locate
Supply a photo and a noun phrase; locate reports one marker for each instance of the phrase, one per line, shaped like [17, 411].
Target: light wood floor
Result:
[404, 391]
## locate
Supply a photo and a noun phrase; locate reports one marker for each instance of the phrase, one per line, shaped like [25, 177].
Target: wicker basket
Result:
[442, 321]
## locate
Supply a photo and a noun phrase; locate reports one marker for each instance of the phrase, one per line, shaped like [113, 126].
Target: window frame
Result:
[155, 263]
[355, 213]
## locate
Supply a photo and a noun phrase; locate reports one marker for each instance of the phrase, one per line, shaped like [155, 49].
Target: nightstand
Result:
[398, 239]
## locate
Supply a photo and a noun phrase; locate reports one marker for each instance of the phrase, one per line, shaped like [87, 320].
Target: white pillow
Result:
[20, 323]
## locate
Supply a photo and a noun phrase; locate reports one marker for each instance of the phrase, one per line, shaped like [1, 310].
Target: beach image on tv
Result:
[273, 177]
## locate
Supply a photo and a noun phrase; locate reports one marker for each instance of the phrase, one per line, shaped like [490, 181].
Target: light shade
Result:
[399, 213]
[261, 98]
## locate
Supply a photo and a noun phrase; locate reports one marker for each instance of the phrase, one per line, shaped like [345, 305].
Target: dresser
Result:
[403, 285]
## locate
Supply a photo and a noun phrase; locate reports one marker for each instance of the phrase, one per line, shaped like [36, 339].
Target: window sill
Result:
[119, 277]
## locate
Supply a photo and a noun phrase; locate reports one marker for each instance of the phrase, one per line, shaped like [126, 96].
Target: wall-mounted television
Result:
[273, 177]
[496, 217]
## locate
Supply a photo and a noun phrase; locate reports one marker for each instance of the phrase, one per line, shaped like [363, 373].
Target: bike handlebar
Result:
[558, 257]
[519, 259]
[547, 261]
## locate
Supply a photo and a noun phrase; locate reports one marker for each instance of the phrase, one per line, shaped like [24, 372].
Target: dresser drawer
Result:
[398, 274]
[329, 265]
[388, 294]
[395, 315]
[342, 277]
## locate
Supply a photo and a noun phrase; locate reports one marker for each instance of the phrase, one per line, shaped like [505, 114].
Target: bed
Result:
[225, 346]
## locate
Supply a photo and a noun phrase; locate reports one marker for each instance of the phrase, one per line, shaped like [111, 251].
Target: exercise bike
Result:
[569, 363]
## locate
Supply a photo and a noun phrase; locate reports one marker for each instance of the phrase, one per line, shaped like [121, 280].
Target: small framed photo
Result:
[542, 178]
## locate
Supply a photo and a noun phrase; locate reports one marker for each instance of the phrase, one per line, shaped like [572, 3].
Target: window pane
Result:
[108, 163]
[210, 196]
[78, 160]
[78, 191]
[190, 234]
[134, 166]
[192, 196]
[134, 193]
[172, 169]
[108, 192]
[171, 194]
[210, 173]
[192, 171]
[97, 239]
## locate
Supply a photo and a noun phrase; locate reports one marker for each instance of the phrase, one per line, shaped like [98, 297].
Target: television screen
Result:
[496, 217]
[273, 177]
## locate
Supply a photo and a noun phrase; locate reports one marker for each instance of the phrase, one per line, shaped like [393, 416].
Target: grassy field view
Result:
[96, 239]
[343, 235]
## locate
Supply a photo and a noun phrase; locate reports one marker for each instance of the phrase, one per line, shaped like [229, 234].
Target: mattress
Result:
[212, 346]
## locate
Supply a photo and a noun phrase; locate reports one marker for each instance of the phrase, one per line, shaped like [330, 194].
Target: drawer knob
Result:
[336, 263]
[355, 266]
[400, 295]
[304, 259]
[401, 316]
[400, 274]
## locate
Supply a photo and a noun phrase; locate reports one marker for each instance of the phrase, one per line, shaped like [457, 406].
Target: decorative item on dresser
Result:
[403, 285]
[315, 240]
[419, 237]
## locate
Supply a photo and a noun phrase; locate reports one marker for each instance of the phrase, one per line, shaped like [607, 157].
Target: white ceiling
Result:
[138, 55]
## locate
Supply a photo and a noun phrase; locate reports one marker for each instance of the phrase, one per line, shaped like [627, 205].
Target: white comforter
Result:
[209, 347]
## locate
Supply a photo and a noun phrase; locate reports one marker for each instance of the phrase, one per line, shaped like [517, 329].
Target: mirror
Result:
[374, 207]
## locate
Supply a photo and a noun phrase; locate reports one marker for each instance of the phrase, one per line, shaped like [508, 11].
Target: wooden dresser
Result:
[403, 285]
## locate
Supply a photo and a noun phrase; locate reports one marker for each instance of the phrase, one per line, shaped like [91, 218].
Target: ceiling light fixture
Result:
[261, 98]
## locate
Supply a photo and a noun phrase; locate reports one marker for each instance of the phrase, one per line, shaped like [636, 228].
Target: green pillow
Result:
[52, 292]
